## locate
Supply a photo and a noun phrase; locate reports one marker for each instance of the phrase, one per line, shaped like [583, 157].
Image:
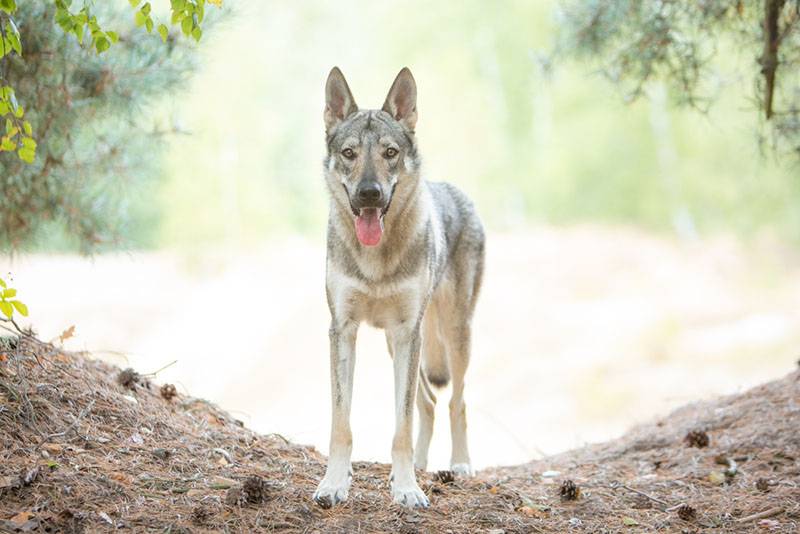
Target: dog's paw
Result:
[410, 496]
[463, 470]
[329, 493]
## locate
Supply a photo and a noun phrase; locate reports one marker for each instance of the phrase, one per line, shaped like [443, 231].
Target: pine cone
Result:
[697, 438]
[686, 512]
[168, 392]
[445, 477]
[569, 491]
[201, 514]
[128, 378]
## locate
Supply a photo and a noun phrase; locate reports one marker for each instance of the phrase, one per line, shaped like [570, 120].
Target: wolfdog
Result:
[405, 255]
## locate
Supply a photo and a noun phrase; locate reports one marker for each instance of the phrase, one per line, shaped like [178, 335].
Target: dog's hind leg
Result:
[458, 341]
[426, 405]
[433, 371]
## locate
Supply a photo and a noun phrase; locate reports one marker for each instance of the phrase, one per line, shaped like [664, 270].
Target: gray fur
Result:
[420, 282]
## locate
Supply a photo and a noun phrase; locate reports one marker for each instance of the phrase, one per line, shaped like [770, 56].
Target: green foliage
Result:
[88, 143]
[8, 303]
[635, 42]
[84, 25]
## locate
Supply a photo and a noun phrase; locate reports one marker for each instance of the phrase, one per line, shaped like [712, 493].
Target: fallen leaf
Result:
[629, 521]
[214, 420]
[21, 517]
[53, 448]
[769, 524]
[120, 477]
[530, 511]
[716, 477]
[66, 334]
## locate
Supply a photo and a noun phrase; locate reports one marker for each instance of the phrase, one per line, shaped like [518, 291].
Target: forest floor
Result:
[88, 447]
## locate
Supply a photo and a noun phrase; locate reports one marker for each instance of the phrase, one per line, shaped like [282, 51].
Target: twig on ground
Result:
[615, 485]
[761, 515]
[154, 373]
[71, 427]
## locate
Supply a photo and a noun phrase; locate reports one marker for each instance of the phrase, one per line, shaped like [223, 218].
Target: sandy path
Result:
[579, 333]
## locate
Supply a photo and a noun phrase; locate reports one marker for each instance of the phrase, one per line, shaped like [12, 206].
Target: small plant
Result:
[8, 303]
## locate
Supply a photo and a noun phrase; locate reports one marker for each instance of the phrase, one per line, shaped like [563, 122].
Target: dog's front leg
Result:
[406, 349]
[336, 483]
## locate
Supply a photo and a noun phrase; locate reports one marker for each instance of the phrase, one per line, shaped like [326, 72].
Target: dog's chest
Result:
[380, 304]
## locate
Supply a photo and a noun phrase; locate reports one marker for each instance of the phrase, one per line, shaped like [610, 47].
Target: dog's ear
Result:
[401, 102]
[339, 102]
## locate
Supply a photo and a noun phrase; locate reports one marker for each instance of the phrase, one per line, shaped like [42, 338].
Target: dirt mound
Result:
[86, 447]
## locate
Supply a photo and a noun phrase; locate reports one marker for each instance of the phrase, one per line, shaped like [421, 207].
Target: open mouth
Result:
[369, 220]
[369, 226]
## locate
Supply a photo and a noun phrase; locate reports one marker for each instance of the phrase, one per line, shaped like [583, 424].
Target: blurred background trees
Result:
[635, 42]
[521, 88]
[94, 118]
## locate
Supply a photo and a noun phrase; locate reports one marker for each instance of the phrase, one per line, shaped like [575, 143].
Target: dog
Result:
[405, 255]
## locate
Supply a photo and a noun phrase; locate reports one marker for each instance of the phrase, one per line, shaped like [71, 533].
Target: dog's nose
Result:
[369, 192]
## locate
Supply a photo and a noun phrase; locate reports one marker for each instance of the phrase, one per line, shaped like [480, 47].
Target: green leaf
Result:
[28, 155]
[187, 25]
[28, 142]
[163, 31]
[21, 308]
[139, 18]
[146, 8]
[114, 36]
[13, 37]
[102, 44]
[629, 521]
[3, 283]
[149, 24]
[197, 33]
[9, 6]
[134, 3]
[9, 293]
[27, 127]
[7, 144]
[6, 308]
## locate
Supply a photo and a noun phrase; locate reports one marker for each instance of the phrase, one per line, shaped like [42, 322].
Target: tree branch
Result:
[769, 59]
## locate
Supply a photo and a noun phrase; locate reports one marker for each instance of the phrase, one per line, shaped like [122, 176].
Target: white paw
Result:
[464, 470]
[330, 492]
[410, 496]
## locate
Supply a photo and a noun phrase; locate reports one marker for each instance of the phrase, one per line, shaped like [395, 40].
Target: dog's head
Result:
[371, 153]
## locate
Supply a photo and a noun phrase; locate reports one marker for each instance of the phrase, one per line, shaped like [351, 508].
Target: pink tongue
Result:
[369, 227]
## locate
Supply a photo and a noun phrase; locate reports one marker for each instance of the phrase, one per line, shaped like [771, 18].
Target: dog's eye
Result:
[348, 153]
[391, 152]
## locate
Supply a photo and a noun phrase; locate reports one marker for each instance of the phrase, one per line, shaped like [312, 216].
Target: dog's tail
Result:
[435, 363]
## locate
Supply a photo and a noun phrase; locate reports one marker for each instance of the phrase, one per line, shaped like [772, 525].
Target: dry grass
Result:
[85, 450]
